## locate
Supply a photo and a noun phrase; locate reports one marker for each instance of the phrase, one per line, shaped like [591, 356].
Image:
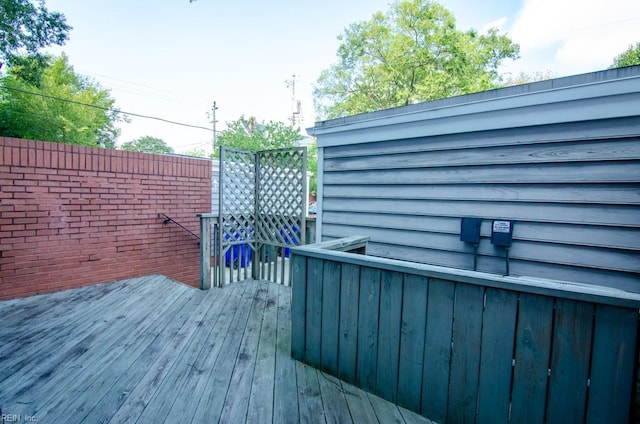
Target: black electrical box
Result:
[501, 232]
[470, 230]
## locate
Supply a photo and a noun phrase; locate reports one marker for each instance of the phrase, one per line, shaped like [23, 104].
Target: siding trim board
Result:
[559, 157]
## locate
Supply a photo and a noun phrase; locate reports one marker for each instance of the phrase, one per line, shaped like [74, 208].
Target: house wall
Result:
[71, 216]
[561, 158]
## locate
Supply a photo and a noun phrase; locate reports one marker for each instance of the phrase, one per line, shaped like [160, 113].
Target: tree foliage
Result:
[197, 152]
[249, 134]
[147, 144]
[26, 27]
[412, 53]
[42, 98]
[629, 57]
[525, 78]
[312, 166]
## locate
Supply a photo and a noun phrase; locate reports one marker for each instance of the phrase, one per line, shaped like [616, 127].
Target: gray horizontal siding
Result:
[621, 194]
[544, 252]
[573, 188]
[534, 134]
[568, 151]
[581, 172]
[551, 212]
[571, 234]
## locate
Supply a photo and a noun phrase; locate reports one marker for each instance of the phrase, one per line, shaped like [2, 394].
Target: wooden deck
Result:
[154, 350]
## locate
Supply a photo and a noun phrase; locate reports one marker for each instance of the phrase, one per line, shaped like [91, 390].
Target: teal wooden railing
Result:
[460, 346]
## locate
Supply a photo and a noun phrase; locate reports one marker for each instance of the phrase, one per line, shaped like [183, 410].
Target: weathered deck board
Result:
[161, 392]
[335, 405]
[65, 322]
[261, 398]
[153, 350]
[73, 361]
[115, 380]
[245, 364]
[360, 406]
[309, 397]
[285, 393]
[209, 349]
[217, 381]
[161, 353]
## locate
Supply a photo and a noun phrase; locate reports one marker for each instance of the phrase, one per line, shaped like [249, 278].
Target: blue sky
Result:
[172, 58]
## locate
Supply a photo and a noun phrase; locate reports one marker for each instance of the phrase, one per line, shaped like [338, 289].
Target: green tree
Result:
[197, 152]
[42, 98]
[629, 57]
[147, 144]
[28, 27]
[412, 53]
[312, 166]
[248, 134]
[525, 78]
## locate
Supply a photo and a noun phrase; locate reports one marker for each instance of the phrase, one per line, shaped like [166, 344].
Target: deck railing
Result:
[464, 346]
[209, 251]
[167, 219]
[242, 260]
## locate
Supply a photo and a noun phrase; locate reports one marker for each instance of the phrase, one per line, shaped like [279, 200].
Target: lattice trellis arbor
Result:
[262, 212]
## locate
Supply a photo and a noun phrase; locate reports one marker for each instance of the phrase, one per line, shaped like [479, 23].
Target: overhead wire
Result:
[155, 90]
[118, 111]
[136, 88]
[198, 143]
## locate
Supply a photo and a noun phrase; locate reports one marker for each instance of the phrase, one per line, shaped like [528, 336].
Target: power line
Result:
[155, 89]
[129, 87]
[107, 109]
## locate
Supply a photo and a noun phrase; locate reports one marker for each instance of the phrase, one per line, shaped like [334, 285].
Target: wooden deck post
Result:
[206, 220]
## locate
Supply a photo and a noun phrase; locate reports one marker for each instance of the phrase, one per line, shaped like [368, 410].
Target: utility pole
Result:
[293, 100]
[213, 110]
[296, 112]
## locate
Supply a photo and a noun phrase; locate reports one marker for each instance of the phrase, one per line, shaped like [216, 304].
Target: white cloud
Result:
[574, 36]
[498, 23]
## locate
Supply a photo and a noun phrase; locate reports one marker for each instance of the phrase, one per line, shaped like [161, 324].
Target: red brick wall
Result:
[71, 216]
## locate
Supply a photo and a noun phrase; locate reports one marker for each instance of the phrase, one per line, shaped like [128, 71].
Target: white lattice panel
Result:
[262, 206]
[237, 197]
[281, 197]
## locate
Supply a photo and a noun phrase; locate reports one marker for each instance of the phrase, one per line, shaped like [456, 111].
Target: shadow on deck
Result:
[153, 350]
